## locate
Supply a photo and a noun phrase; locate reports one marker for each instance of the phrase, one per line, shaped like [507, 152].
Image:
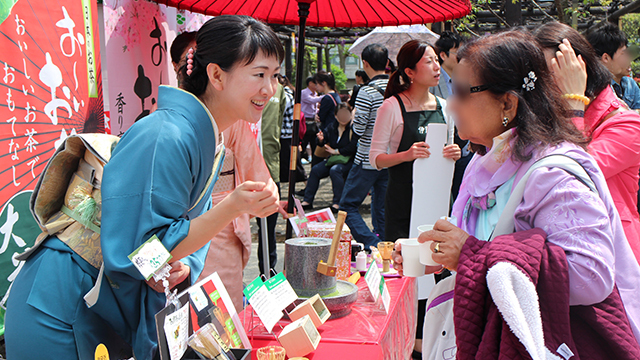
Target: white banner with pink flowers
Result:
[138, 36]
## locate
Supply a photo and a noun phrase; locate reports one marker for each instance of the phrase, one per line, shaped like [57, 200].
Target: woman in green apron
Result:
[401, 128]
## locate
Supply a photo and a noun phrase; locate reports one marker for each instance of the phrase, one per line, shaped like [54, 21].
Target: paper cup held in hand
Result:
[425, 248]
[411, 265]
[423, 228]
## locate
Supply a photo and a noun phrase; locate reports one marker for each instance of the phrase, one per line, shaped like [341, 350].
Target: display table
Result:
[366, 333]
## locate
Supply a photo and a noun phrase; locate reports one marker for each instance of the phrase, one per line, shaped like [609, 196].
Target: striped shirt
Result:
[367, 103]
[287, 119]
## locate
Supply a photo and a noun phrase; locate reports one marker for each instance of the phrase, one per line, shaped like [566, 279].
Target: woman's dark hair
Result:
[408, 56]
[284, 81]
[551, 34]
[228, 40]
[363, 75]
[327, 77]
[343, 105]
[502, 62]
[179, 45]
[391, 66]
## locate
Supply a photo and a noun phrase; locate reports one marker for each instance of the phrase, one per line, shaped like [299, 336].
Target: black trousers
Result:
[271, 239]
[309, 137]
[285, 157]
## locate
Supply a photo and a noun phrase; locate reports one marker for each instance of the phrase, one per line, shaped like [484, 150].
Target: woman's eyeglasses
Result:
[463, 91]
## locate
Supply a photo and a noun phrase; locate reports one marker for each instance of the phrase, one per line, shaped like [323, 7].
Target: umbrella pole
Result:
[303, 13]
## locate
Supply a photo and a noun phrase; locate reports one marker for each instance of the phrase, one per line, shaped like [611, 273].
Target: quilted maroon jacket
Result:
[599, 331]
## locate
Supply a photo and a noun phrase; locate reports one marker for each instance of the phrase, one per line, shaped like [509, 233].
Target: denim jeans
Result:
[356, 188]
[319, 171]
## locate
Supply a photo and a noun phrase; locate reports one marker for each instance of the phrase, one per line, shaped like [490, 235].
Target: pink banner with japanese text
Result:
[138, 36]
[51, 87]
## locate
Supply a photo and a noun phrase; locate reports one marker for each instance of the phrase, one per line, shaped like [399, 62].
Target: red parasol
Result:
[335, 13]
[329, 13]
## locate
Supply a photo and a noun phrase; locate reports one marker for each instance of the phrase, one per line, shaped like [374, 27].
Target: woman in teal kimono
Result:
[158, 182]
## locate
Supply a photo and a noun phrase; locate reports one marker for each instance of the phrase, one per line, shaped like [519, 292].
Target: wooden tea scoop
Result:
[329, 268]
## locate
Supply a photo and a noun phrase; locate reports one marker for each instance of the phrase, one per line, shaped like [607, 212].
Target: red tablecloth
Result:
[366, 333]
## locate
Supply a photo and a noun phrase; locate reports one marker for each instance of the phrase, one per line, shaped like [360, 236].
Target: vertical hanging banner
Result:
[138, 37]
[50, 87]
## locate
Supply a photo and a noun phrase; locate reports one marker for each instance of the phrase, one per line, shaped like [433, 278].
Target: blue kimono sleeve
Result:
[196, 260]
[147, 190]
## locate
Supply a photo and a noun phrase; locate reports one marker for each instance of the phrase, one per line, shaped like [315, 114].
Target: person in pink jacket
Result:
[613, 130]
[230, 250]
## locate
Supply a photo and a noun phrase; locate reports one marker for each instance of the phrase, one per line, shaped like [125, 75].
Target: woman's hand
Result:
[449, 240]
[331, 150]
[452, 152]
[320, 135]
[177, 275]
[397, 262]
[570, 73]
[416, 151]
[254, 198]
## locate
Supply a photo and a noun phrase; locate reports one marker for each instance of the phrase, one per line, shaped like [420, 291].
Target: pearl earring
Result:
[505, 121]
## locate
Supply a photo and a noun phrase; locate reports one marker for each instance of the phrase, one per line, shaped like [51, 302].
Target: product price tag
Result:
[198, 298]
[281, 290]
[373, 278]
[377, 286]
[386, 296]
[264, 303]
[150, 257]
[176, 329]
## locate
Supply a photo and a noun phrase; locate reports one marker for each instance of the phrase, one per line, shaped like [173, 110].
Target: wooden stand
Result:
[300, 337]
[315, 308]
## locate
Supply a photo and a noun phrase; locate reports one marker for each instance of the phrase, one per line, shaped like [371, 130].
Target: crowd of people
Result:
[547, 152]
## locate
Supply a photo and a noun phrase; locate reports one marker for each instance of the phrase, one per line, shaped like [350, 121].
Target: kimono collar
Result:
[599, 108]
[188, 105]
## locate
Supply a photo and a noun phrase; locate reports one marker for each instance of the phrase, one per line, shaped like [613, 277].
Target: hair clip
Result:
[530, 81]
[189, 61]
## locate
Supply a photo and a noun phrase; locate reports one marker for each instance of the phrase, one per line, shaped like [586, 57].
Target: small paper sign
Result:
[281, 290]
[264, 303]
[176, 329]
[150, 257]
[372, 278]
[377, 286]
[386, 296]
[199, 298]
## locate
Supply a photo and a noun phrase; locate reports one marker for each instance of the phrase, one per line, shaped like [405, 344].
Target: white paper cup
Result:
[425, 248]
[411, 265]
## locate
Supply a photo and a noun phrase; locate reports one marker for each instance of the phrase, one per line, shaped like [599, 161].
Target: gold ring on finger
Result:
[437, 248]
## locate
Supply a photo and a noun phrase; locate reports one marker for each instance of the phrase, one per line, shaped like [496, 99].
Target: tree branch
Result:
[467, 29]
[546, 14]
[488, 7]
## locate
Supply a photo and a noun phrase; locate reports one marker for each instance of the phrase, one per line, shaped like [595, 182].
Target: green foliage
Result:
[310, 64]
[341, 77]
[630, 25]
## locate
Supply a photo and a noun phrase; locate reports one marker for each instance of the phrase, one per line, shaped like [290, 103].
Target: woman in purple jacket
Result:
[506, 103]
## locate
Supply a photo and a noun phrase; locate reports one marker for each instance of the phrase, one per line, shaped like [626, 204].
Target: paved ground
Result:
[323, 199]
